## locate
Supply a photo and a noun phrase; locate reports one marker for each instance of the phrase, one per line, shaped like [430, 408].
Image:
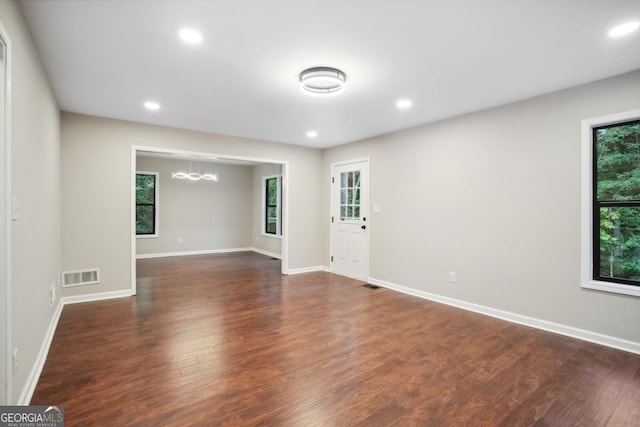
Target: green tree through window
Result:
[145, 204]
[272, 208]
[616, 203]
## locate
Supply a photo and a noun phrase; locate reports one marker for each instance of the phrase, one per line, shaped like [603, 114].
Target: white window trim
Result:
[263, 212]
[586, 237]
[157, 198]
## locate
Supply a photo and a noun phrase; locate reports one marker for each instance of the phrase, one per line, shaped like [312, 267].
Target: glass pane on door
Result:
[350, 196]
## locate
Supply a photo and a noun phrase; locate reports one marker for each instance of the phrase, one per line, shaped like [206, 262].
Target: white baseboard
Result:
[267, 253]
[36, 370]
[570, 331]
[308, 269]
[186, 253]
[96, 297]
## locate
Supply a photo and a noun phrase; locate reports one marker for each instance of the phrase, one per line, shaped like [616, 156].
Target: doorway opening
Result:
[186, 223]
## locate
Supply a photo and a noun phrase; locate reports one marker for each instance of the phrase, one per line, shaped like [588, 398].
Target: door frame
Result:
[6, 370]
[285, 198]
[366, 160]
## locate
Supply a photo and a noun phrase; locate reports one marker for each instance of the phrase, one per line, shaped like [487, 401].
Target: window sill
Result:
[273, 236]
[147, 236]
[616, 288]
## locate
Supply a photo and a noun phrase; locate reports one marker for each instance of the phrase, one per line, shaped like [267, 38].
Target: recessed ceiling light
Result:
[312, 134]
[624, 29]
[190, 36]
[322, 80]
[403, 104]
[151, 105]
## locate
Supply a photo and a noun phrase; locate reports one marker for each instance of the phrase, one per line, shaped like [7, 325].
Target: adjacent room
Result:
[189, 204]
[339, 213]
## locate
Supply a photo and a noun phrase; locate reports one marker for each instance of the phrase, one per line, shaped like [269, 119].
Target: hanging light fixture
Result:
[322, 80]
[194, 176]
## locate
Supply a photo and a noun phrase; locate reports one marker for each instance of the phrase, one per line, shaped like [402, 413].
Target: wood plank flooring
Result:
[216, 340]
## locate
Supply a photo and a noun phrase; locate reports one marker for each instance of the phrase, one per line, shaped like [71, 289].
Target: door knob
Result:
[364, 227]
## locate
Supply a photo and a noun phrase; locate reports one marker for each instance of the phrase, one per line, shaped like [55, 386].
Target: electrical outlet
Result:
[452, 277]
[15, 361]
[180, 240]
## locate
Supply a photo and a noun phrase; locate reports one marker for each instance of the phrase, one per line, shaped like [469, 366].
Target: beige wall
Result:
[270, 244]
[96, 182]
[35, 181]
[495, 197]
[206, 215]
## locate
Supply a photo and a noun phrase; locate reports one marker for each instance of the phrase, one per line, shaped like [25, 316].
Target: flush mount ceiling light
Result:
[190, 36]
[403, 104]
[152, 106]
[624, 29]
[322, 80]
[312, 134]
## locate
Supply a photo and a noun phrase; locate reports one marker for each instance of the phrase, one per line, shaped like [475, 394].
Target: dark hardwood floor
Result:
[226, 340]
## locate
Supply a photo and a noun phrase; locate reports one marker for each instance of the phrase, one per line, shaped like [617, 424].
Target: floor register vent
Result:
[80, 277]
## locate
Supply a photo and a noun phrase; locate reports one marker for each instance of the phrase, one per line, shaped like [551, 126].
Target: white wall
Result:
[35, 181]
[269, 244]
[206, 215]
[96, 182]
[495, 197]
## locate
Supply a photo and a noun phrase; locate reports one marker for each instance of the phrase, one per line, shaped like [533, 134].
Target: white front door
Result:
[350, 219]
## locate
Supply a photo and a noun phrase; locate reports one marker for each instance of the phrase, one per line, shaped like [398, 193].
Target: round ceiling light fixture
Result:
[322, 80]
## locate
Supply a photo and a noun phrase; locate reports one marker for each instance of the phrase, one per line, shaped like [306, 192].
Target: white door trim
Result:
[331, 206]
[285, 199]
[6, 370]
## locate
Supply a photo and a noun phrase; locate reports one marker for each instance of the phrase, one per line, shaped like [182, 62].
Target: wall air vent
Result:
[80, 277]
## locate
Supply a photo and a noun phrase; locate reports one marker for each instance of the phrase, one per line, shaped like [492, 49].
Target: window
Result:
[146, 204]
[272, 205]
[614, 203]
[350, 196]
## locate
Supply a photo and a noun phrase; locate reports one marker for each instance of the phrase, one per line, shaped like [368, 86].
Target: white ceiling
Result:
[105, 58]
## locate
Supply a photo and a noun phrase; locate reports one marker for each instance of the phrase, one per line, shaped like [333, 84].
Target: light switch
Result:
[376, 209]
